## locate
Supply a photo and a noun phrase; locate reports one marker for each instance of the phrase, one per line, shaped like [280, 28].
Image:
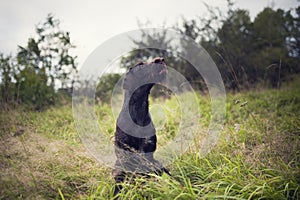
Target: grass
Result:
[257, 155]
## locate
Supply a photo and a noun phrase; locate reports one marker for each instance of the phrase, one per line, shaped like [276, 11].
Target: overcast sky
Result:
[91, 22]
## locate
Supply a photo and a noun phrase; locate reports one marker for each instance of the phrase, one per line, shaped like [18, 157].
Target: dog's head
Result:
[143, 73]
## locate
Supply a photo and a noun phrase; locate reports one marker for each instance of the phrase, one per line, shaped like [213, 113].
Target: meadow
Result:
[257, 155]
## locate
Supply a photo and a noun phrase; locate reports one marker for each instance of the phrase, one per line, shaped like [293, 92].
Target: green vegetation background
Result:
[257, 154]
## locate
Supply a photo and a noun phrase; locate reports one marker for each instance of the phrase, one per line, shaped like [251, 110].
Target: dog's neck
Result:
[138, 104]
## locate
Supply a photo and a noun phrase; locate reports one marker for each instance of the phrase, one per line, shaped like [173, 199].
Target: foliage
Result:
[7, 71]
[145, 51]
[105, 87]
[39, 68]
[248, 53]
[263, 51]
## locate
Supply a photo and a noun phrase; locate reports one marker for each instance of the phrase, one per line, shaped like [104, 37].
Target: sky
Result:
[91, 22]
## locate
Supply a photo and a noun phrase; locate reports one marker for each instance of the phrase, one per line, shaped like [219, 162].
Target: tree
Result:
[41, 67]
[105, 87]
[234, 46]
[270, 53]
[293, 40]
[50, 52]
[7, 71]
[250, 52]
[142, 52]
[295, 32]
[171, 51]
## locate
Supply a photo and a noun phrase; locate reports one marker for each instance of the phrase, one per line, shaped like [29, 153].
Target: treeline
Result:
[248, 53]
[264, 51]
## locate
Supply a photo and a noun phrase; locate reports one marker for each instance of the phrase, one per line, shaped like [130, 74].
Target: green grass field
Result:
[257, 155]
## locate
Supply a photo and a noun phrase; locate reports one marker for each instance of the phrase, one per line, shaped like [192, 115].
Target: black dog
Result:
[135, 138]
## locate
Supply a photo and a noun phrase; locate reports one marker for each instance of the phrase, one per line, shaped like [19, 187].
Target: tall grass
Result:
[256, 157]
